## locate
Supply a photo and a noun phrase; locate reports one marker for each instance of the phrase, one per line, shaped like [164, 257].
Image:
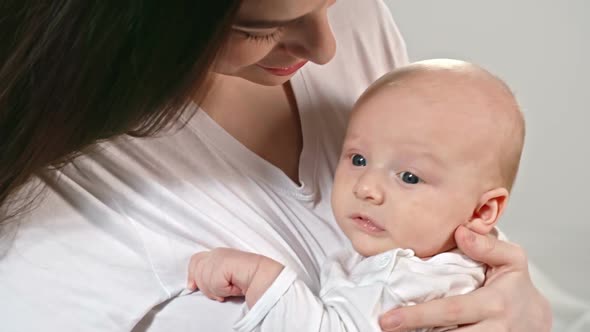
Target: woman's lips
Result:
[366, 224]
[284, 71]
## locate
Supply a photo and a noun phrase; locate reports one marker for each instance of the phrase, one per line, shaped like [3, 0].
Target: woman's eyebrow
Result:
[266, 24]
[262, 24]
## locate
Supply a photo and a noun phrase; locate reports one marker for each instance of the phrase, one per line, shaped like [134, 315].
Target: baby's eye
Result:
[409, 178]
[358, 160]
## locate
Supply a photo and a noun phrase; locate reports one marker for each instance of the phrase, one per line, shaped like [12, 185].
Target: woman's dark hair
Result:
[73, 72]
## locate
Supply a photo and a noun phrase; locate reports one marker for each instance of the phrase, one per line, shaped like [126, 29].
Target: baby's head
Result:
[429, 147]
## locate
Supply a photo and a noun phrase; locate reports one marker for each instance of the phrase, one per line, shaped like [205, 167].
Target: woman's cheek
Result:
[239, 53]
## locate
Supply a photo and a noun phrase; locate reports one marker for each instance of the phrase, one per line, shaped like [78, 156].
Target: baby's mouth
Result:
[366, 224]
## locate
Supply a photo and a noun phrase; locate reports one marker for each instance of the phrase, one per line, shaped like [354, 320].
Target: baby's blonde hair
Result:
[511, 132]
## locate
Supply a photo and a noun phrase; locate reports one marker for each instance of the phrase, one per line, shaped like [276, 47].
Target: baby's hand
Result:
[222, 272]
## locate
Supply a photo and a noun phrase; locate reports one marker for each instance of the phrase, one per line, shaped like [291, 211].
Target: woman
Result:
[106, 246]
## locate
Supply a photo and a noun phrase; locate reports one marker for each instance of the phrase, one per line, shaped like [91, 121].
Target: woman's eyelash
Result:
[271, 37]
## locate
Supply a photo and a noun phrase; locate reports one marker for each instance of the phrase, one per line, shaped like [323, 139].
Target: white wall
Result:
[541, 48]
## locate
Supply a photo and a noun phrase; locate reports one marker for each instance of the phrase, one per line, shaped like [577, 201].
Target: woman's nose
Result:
[369, 188]
[314, 40]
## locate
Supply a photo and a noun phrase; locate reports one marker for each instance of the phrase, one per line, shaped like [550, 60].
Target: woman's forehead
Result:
[275, 11]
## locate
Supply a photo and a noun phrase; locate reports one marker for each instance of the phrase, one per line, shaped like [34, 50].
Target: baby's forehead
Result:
[436, 94]
[447, 92]
[443, 77]
[436, 87]
[423, 101]
[429, 111]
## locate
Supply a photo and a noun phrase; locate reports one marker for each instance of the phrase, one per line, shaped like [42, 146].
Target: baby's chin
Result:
[435, 250]
[371, 250]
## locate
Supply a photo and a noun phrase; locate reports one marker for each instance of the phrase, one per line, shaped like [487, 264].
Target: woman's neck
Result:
[264, 119]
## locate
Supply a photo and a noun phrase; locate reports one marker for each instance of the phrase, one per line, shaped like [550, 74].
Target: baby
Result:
[429, 147]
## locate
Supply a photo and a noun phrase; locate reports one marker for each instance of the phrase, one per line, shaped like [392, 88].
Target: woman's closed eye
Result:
[409, 177]
[267, 36]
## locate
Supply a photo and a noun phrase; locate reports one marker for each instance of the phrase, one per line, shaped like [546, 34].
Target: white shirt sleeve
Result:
[289, 305]
[282, 284]
[356, 291]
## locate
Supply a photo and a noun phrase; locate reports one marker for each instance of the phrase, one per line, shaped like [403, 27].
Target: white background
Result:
[541, 49]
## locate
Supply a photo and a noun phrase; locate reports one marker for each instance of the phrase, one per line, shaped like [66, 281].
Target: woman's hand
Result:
[508, 301]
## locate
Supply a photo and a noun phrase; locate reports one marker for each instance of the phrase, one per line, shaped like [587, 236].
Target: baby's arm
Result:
[278, 301]
[283, 302]
[225, 272]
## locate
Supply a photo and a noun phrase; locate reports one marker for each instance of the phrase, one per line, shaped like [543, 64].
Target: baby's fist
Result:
[220, 273]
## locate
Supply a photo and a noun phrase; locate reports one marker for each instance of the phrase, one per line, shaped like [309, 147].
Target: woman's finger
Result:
[489, 250]
[451, 311]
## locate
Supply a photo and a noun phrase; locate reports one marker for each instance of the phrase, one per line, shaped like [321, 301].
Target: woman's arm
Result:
[508, 301]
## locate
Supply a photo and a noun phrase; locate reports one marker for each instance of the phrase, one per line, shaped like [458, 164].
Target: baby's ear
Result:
[488, 210]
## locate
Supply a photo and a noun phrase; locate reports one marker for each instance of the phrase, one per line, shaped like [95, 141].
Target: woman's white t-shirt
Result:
[108, 246]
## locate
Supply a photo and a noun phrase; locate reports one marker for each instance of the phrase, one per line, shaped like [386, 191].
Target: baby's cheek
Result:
[424, 227]
[406, 225]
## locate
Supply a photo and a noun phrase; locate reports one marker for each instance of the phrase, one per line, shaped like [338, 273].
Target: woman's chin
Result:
[258, 75]
[268, 79]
